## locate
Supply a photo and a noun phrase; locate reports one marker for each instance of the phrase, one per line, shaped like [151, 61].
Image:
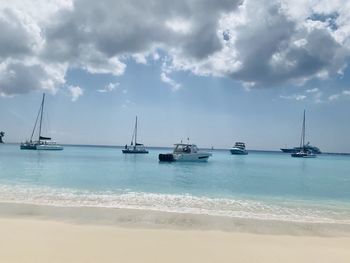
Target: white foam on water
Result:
[238, 208]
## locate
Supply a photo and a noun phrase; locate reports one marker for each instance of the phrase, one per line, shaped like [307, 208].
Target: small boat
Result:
[134, 146]
[239, 149]
[303, 152]
[43, 143]
[185, 152]
[2, 134]
[308, 147]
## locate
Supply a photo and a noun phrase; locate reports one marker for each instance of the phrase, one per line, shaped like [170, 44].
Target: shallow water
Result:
[259, 185]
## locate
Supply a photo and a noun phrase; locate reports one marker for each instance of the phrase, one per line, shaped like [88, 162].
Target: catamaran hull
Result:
[49, 148]
[28, 147]
[312, 149]
[41, 147]
[303, 155]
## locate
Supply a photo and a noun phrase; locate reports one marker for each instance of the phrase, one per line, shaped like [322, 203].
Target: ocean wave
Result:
[175, 203]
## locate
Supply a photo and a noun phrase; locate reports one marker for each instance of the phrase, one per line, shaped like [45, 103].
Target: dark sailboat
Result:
[304, 152]
[2, 134]
[43, 142]
[134, 146]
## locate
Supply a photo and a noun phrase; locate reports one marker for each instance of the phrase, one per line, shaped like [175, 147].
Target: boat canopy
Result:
[44, 138]
[185, 148]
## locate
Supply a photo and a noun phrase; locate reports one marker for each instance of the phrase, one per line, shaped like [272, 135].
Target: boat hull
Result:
[312, 149]
[303, 155]
[41, 147]
[126, 151]
[195, 157]
[238, 151]
[28, 147]
[167, 157]
[49, 148]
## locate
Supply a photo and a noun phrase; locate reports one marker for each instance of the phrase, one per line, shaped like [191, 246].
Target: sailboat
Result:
[43, 143]
[304, 152]
[2, 134]
[134, 146]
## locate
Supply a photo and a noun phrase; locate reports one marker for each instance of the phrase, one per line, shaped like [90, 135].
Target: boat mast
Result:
[41, 115]
[136, 132]
[303, 138]
[36, 122]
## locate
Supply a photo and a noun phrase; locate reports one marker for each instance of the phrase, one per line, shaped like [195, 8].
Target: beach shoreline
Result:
[41, 240]
[148, 219]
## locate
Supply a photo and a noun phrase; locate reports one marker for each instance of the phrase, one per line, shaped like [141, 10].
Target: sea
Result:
[260, 185]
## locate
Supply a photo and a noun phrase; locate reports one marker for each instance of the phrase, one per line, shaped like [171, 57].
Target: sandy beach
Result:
[54, 234]
[27, 240]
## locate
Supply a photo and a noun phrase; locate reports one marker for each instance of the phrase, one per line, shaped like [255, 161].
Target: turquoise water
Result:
[259, 185]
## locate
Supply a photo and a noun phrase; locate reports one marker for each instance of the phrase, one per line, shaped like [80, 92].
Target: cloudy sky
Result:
[215, 71]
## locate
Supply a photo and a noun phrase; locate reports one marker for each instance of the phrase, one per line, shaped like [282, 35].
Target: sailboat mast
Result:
[136, 132]
[36, 122]
[301, 135]
[41, 115]
[304, 131]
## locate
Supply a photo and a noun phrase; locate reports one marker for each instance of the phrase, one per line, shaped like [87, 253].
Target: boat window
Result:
[195, 148]
[182, 149]
[178, 149]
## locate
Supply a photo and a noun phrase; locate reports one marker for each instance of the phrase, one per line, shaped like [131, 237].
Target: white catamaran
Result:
[304, 152]
[134, 146]
[43, 143]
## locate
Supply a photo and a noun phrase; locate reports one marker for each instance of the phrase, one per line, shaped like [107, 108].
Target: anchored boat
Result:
[239, 149]
[43, 143]
[134, 146]
[308, 147]
[184, 152]
[304, 152]
[2, 134]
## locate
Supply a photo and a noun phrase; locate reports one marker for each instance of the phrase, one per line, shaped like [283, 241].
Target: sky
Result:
[212, 71]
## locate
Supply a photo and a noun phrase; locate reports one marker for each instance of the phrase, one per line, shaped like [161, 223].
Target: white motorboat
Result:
[184, 152]
[43, 143]
[239, 149]
[134, 146]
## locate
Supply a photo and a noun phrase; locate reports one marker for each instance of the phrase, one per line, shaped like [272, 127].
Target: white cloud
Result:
[318, 97]
[140, 58]
[75, 92]
[173, 84]
[109, 87]
[346, 92]
[155, 56]
[334, 97]
[298, 97]
[339, 95]
[259, 43]
[179, 25]
[127, 103]
[312, 90]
